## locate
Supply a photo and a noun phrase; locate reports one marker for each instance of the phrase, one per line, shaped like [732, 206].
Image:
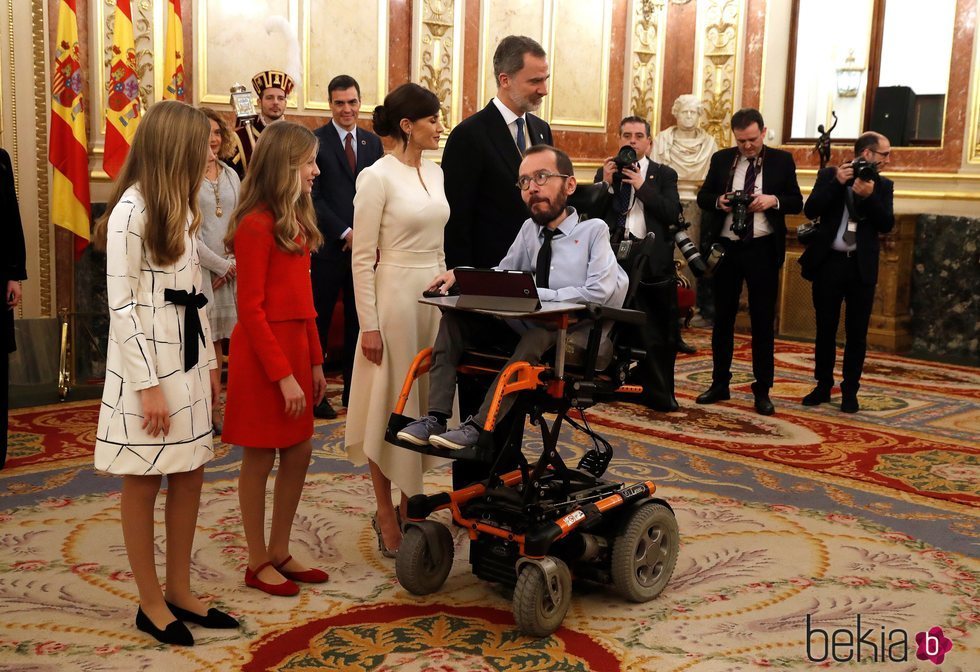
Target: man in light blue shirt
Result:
[572, 260]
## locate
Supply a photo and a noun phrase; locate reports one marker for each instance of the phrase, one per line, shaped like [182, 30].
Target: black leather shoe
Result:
[213, 619]
[849, 403]
[763, 405]
[713, 394]
[685, 347]
[175, 632]
[324, 410]
[819, 395]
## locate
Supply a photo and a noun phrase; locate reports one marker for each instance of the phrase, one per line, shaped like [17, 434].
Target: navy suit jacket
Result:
[778, 179]
[333, 189]
[480, 164]
[13, 259]
[874, 216]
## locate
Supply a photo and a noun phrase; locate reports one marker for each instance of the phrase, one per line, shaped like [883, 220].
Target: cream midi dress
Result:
[146, 348]
[402, 222]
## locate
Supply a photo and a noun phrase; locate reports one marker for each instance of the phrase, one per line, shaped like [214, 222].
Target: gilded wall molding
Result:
[973, 137]
[644, 67]
[436, 54]
[14, 149]
[39, 49]
[719, 29]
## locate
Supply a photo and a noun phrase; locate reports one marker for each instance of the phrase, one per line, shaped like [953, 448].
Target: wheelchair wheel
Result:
[539, 608]
[644, 555]
[424, 558]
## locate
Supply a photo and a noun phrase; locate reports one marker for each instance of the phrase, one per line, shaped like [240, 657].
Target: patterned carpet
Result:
[810, 516]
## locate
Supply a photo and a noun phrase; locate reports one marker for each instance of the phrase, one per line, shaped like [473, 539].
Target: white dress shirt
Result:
[343, 133]
[509, 119]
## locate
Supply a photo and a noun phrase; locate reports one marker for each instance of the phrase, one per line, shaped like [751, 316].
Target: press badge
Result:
[624, 249]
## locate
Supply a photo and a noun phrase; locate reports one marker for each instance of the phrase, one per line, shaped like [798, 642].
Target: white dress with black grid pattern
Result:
[146, 348]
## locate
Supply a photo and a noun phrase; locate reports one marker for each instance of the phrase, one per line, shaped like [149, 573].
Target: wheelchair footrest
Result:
[595, 462]
[477, 453]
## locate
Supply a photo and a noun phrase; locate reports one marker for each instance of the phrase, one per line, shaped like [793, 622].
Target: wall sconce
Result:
[849, 77]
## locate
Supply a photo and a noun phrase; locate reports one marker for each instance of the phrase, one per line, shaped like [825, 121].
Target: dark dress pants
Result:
[754, 263]
[838, 281]
[331, 276]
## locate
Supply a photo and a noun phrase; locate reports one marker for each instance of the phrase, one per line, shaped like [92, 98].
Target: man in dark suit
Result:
[345, 150]
[842, 262]
[755, 248]
[483, 154]
[13, 269]
[642, 198]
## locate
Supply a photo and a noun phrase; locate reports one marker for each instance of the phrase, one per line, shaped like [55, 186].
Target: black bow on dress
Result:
[192, 301]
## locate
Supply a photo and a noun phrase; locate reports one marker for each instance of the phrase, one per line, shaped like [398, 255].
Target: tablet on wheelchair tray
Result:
[486, 289]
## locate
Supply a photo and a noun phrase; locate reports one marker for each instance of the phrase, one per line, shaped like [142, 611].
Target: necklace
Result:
[216, 188]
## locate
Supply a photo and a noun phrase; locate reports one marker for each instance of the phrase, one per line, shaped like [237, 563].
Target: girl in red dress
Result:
[274, 374]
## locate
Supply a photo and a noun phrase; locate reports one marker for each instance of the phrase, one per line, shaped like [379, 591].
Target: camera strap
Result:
[738, 157]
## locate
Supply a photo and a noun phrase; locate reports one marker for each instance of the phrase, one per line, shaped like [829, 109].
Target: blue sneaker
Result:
[464, 436]
[418, 432]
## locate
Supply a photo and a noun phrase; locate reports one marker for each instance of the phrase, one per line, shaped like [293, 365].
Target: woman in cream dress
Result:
[400, 211]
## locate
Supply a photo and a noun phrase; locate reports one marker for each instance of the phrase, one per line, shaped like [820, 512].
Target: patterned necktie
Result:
[542, 269]
[349, 151]
[749, 189]
[521, 141]
[623, 195]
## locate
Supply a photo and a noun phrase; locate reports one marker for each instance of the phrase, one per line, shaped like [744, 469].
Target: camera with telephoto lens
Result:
[864, 170]
[626, 156]
[700, 266]
[739, 202]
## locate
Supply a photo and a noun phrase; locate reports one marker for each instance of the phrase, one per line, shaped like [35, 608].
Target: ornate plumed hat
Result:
[272, 78]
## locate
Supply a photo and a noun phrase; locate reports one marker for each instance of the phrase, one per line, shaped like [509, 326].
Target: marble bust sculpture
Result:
[685, 147]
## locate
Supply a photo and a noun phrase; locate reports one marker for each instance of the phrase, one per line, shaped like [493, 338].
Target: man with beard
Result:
[483, 154]
[272, 88]
[573, 261]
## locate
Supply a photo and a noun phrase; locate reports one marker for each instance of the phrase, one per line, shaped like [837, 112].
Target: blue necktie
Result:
[521, 141]
[622, 202]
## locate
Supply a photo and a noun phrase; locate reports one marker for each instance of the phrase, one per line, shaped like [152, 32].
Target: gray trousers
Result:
[460, 331]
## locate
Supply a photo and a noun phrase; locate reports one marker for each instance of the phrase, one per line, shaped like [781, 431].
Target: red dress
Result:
[275, 336]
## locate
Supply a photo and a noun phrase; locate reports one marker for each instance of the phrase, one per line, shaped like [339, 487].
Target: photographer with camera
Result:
[642, 198]
[749, 190]
[854, 205]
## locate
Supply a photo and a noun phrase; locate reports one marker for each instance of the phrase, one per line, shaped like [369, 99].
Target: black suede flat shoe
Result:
[175, 632]
[213, 619]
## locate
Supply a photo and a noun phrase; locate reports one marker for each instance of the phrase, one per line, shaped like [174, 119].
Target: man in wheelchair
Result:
[573, 262]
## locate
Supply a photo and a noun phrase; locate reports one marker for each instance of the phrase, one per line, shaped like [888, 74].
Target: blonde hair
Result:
[167, 161]
[273, 182]
[227, 143]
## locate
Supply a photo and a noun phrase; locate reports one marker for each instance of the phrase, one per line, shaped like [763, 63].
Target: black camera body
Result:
[739, 202]
[626, 156]
[864, 169]
[699, 266]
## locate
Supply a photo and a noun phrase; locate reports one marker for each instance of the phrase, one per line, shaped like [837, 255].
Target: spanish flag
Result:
[68, 145]
[174, 65]
[122, 112]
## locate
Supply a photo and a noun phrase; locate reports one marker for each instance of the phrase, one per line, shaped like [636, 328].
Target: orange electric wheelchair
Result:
[534, 527]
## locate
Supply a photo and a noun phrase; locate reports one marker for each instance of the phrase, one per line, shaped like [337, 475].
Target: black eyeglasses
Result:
[540, 178]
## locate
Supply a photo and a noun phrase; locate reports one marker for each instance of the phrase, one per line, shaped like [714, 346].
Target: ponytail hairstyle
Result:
[273, 182]
[166, 161]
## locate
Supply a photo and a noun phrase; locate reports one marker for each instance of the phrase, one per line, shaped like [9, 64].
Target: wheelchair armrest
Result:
[602, 313]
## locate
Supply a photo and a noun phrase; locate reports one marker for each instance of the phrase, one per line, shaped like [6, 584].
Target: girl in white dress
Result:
[400, 211]
[155, 417]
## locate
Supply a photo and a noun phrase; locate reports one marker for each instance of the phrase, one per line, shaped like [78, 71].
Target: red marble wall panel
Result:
[755, 26]
[678, 58]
